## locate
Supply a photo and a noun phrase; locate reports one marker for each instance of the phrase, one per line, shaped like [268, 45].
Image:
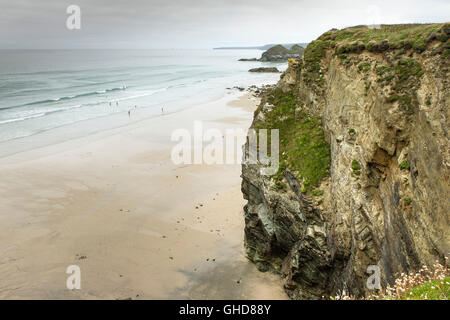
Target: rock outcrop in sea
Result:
[264, 69]
[364, 162]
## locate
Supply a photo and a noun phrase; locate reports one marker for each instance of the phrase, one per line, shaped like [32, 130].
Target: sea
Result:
[41, 90]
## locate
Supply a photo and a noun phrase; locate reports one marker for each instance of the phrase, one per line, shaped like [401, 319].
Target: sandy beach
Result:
[137, 225]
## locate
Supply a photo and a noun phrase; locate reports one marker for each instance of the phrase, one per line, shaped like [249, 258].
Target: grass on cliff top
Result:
[432, 290]
[302, 144]
[416, 35]
[357, 39]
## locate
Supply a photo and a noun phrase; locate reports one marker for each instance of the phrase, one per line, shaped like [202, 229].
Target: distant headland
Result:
[263, 47]
[279, 53]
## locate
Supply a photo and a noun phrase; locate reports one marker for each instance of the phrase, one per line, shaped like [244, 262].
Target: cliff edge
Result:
[364, 161]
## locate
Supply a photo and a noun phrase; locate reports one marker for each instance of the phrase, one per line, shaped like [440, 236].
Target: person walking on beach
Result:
[162, 109]
[129, 113]
[117, 103]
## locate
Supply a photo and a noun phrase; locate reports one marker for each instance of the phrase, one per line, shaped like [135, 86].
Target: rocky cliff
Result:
[364, 161]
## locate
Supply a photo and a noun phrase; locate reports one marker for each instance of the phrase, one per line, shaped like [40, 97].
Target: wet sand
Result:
[137, 225]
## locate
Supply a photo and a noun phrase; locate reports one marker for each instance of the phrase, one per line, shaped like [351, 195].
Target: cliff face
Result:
[366, 179]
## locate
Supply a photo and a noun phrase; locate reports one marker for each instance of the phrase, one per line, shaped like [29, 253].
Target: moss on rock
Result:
[302, 143]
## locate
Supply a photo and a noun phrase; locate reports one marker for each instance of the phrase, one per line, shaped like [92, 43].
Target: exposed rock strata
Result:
[392, 210]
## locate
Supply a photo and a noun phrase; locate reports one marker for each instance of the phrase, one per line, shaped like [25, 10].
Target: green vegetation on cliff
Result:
[403, 77]
[303, 147]
[386, 38]
[401, 70]
[302, 144]
[401, 36]
[356, 167]
[404, 165]
[425, 284]
[358, 96]
[432, 290]
[312, 58]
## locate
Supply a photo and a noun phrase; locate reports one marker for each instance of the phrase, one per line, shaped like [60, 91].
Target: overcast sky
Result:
[197, 23]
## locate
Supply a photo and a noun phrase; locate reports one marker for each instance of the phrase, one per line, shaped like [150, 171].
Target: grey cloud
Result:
[194, 23]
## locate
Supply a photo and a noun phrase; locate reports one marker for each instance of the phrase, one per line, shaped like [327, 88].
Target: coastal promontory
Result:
[364, 173]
